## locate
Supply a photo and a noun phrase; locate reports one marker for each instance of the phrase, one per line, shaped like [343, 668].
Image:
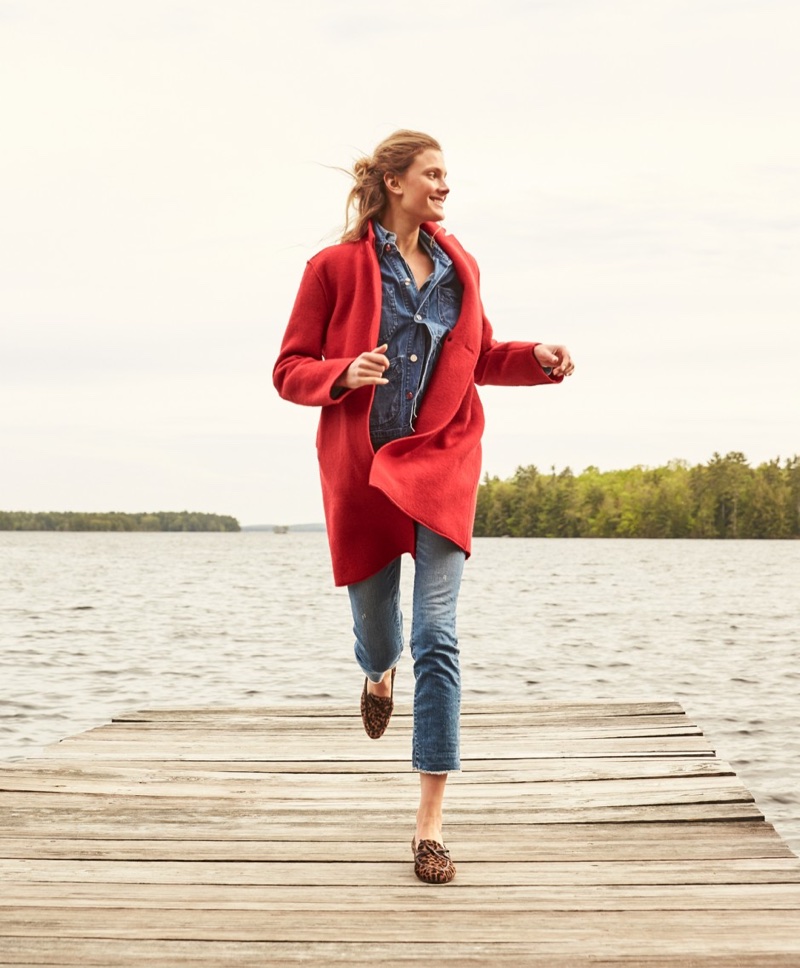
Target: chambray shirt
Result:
[414, 323]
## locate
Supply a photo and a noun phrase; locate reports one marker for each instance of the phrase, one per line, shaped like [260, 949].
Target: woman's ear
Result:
[392, 183]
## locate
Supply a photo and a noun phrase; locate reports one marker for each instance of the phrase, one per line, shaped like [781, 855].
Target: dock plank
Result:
[110, 777]
[279, 843]
[602, 932]
[483, 873]
[585, 833]
[100, 953]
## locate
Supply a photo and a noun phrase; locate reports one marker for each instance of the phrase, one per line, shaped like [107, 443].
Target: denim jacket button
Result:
[413, 357]
[409, 395]
[418, 317]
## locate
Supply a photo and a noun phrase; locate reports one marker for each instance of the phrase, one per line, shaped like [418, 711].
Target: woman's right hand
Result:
[366, 369]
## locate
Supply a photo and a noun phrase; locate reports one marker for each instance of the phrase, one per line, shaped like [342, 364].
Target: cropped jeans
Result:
[378, 628]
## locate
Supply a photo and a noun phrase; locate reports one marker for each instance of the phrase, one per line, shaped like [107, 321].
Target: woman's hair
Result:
[367, 197]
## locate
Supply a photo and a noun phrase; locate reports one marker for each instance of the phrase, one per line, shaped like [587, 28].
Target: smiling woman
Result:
[389, 338]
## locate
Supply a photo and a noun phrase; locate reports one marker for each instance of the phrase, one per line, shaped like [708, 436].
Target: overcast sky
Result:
[626, 172]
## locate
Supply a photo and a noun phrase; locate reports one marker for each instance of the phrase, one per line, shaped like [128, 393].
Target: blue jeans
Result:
[378, 627]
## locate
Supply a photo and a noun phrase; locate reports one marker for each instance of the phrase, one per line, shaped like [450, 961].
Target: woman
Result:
[389, 338]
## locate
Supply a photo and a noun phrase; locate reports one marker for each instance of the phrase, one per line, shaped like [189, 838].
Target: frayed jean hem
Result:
[416, 769]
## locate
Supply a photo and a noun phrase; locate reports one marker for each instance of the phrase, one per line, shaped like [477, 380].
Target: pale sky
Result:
[626, 172]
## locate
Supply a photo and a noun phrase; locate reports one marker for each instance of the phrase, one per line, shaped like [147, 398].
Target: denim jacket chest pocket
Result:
[390, 317]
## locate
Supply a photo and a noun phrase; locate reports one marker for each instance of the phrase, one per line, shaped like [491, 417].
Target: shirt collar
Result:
[384, 237]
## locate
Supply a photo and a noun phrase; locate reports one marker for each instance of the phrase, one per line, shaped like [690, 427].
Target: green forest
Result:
[115, 521]
[724, 498]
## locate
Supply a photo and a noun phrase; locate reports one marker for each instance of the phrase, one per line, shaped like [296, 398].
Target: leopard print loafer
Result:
[432, 862]
[376, 711]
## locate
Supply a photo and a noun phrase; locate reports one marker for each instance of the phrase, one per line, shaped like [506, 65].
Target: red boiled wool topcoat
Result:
[372, 499]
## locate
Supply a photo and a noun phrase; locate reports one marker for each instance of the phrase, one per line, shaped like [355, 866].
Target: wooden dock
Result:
[601, 833]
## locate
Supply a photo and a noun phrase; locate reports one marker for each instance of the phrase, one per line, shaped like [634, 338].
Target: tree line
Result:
[115, 521]
[724, 498]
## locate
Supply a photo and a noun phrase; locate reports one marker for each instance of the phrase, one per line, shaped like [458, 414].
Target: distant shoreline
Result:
[116, 521]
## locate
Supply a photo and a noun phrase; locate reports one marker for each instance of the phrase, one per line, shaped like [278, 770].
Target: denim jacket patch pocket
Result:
[387, 402]
[390, 318]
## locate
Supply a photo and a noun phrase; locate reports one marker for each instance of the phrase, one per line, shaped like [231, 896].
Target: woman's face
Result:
[421, 190]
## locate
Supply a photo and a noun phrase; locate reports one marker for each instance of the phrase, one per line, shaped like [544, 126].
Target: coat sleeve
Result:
[301, 373]
[508, 364]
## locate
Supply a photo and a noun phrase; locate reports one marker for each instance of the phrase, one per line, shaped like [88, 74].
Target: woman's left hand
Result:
[556, 357]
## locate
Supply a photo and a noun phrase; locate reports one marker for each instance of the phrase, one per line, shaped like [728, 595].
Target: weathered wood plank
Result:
[384, 790]
[507, 710]
[221, 824]
[251, 735]
[393, 748]
[405, 892]
[337, 725]
[256, 767]
[254, 739]
[379, 841]
[102, 953]
[658, 932]
[484, 874]
[558, 717]
[75, 776]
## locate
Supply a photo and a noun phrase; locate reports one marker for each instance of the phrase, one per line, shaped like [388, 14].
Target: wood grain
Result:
[591, 833]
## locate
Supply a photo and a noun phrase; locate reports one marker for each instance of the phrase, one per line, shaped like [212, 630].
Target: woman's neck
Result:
[407, 233]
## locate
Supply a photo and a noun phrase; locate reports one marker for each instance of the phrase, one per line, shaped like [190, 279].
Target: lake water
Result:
[94, 624]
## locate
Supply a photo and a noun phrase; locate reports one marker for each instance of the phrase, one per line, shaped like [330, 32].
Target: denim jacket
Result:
[413, 324]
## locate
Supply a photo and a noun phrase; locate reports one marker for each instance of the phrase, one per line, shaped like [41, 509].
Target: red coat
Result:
[372, 499]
